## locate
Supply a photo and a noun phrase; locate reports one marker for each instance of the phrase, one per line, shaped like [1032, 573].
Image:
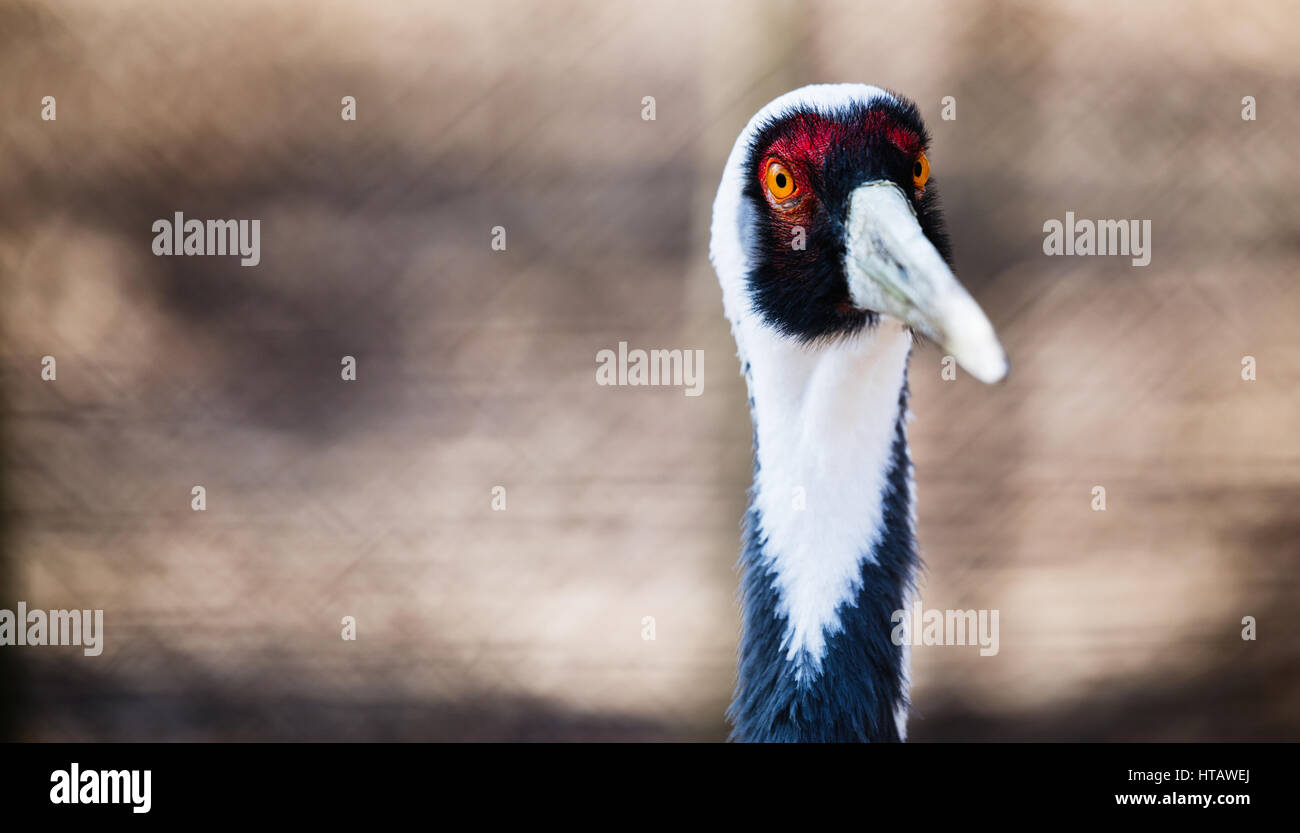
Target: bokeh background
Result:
[476, 368]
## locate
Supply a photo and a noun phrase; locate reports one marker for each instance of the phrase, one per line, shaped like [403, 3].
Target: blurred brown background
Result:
[476, 368]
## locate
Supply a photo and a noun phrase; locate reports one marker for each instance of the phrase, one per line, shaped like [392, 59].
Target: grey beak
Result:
[893, 269]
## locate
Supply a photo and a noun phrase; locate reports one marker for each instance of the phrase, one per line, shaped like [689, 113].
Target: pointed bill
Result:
[893, 269]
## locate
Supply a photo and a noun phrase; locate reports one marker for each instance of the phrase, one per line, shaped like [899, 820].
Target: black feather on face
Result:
[802, 291]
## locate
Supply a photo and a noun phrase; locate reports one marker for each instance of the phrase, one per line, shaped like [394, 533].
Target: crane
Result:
[829, 244]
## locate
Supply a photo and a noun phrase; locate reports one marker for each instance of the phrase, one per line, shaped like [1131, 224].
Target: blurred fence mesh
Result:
[372, 499]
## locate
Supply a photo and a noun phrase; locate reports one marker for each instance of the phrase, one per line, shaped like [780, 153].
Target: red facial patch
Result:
[806, 138]
[878, 121]
[808, 135]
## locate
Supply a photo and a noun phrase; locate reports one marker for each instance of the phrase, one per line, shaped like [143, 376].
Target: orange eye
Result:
[920, 171]
[779, 181]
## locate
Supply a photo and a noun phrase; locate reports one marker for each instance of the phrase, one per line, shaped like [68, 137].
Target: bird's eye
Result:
[920, 171]
[779, 181]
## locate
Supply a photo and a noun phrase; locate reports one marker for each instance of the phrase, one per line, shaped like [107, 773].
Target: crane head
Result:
[827, 218]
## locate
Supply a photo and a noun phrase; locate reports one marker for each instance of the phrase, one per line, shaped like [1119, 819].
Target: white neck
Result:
[825, 420]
